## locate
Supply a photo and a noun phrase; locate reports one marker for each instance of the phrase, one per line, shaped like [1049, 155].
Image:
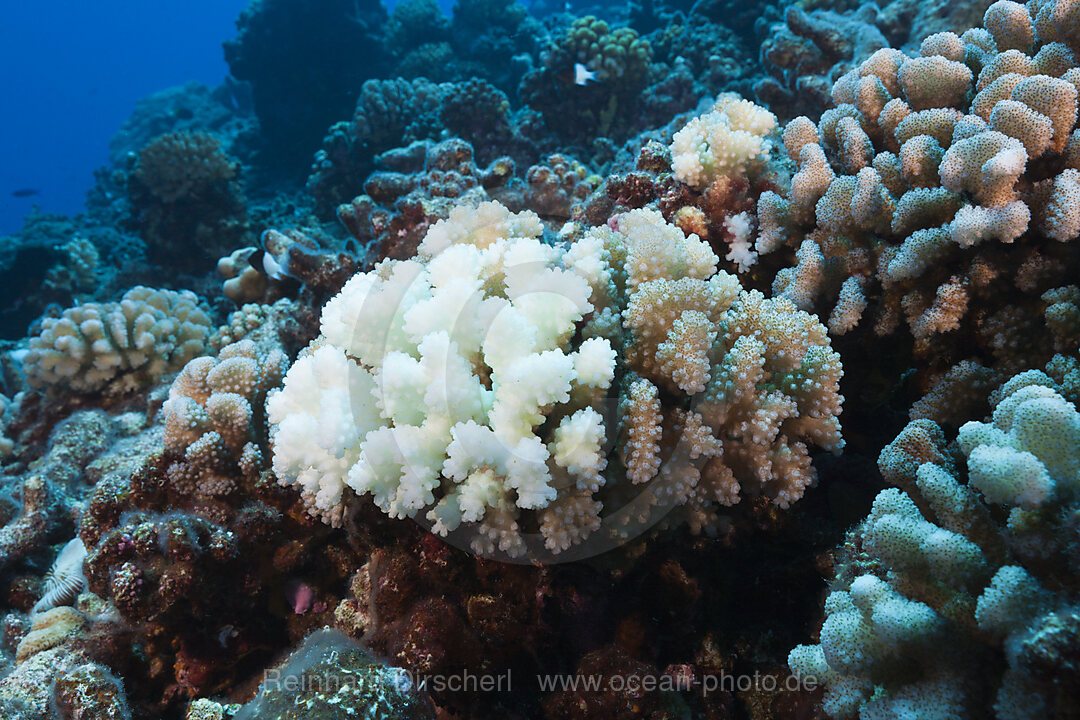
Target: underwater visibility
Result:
[481, 360]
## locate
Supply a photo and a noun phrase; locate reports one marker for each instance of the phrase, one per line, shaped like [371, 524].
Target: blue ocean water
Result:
[73, 71]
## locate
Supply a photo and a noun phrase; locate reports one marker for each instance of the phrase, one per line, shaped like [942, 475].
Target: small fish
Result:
[582, 74]
[267, 264]
[24, 193]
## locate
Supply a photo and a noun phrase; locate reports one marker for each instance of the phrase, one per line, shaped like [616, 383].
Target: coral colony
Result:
[561, 362]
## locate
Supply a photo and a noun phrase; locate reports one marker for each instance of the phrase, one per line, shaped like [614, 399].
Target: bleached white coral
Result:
[742, 248]
[434, 377]
[723, 142]
[467, 387]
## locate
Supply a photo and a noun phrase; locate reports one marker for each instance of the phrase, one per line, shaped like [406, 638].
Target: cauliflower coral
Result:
[118, 347]
[958, 599]
[942, 189]
[723, 142]
[515, 389]
[214, 417]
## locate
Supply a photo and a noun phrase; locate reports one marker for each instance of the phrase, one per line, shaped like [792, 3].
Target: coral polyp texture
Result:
[958, 599]
[118, 347]
[555, 185]
[214, 417]
[399, 206]
[941, 190]
[374, 691]
[181, 165]
[486, 381]
[185, 195]
[722, 143]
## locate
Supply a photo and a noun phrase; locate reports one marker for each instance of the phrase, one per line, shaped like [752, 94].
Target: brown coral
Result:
[185, 195]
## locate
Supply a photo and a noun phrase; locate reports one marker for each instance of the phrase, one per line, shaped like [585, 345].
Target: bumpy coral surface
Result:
[938, 191]
[555, 294]
[48, 630]
[475, 384]
[429, 180]
[723, 142]
[361, 688]
[392, 114]
[214, 417]
[182, 164]
[60, 683]
[803, 54]
[556, 184]
[944, 576]
[722, 212]
[185, 199]
[119, 346]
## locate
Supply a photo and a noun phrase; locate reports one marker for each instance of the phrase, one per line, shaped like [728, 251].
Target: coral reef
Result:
[568, 286]
[7, 445]
[243, 282]
[192, 107]
[580, 110]
[195, 576]
[214, 418]
[267, 326]
[48, 630]
[47, 262]
[806, 52]
[461, 326]
[185, 200]
[714, 56]
[817, 42]
[399, 207]
[305, 63]
[414, 23]
[52, 475]
[934, 194]
[60, 683]
[724, 142]
[945, 577]
[118, 347]
[479, 112]
[363, 687]
[38, 513]
[722, 211]
[392, 115]
[497, 39]
[388, 114]
[556, 185]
